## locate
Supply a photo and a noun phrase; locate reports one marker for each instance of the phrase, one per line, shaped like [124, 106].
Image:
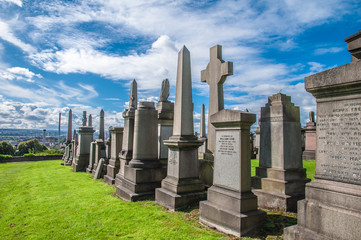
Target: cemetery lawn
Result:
[44, 200]
[309, 165]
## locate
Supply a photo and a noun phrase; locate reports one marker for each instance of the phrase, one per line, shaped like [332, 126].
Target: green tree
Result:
[6, 148]
[33, 145]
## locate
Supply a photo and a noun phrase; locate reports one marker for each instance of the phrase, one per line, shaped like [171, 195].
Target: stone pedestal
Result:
[81, 160]
[165, 129]
[332, 208]
[280, 178]
[126, 153]
[114, 163]
[144, 172]
[91, 157]
[310, 141]
[231, 207]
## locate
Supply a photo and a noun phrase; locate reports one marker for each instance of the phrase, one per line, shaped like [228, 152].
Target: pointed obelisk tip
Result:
[184, 49]
[102, 113]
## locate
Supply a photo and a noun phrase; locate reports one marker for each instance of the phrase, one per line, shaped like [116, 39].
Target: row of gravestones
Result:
[332, 207]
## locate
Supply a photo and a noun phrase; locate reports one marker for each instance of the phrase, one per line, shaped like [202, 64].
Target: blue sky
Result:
[56, 55]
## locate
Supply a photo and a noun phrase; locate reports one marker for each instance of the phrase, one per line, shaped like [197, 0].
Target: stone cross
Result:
[164, 92]
[90, 121]
[202, 128]
[70, 119]
[133, 95]
[101, 125]
[84, 118]
[215, 75]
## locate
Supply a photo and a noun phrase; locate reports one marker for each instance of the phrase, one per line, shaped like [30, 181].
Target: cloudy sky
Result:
[56, 55]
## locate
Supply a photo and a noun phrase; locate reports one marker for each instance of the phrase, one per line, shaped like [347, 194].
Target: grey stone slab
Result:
[99, 169]
[332, 207]
[280, 150]
[81, 160]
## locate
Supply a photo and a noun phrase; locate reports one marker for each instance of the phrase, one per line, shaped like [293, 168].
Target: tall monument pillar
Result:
[126, 152]
[182, 186]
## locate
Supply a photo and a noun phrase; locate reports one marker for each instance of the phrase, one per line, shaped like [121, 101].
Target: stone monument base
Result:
[331, 210]
[279, 189]
[309, 155]
[89, 169]
[80, 164]
[179, 194]
[112, 170]
[140, 183]
[205, 171]
[231, 212]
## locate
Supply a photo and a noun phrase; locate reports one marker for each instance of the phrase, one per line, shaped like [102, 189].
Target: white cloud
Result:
[16, 2]
[148, 68]
[321, 51]
[7, 34]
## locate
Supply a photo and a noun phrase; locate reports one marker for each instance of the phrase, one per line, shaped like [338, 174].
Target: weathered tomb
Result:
[126, 153]
[165, 110]
[280, 178]
[332, 208]
[144, 172]
[231, 207]
[114, 162]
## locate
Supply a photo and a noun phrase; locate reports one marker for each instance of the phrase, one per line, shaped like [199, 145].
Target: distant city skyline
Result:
[82, 55]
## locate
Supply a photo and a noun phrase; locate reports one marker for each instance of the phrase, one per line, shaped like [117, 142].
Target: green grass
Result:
[44, 200]
[309, 165]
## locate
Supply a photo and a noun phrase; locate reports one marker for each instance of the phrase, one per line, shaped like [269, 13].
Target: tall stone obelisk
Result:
[182, 186]
[70, 120]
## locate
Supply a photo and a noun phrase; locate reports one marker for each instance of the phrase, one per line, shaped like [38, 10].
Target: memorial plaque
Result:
[227, 164]
[339, 141]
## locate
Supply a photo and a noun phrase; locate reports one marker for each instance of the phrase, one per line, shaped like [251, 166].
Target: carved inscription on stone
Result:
[227, 159]
[226, 145]
[339, 141]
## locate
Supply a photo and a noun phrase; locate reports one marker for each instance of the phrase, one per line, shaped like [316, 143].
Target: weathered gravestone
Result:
[144, 172]
[206, 165]
[182, 187]
[280, 176]
[310, 138]
[85, 137]
[116, 146]
[257, 142]
[215, 75]
[231, 207]
[332, 208]
[68, 148]
[165, 110]
[91, 157]
[126, 153]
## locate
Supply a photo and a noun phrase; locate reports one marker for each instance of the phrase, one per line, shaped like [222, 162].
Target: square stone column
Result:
[332, 208]
[116, 146]
[165, 129]
[310, 139]
[231, 207]
[144, 172]
[126, 153]
[91, 157]
[280, 178]
[83, 151]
